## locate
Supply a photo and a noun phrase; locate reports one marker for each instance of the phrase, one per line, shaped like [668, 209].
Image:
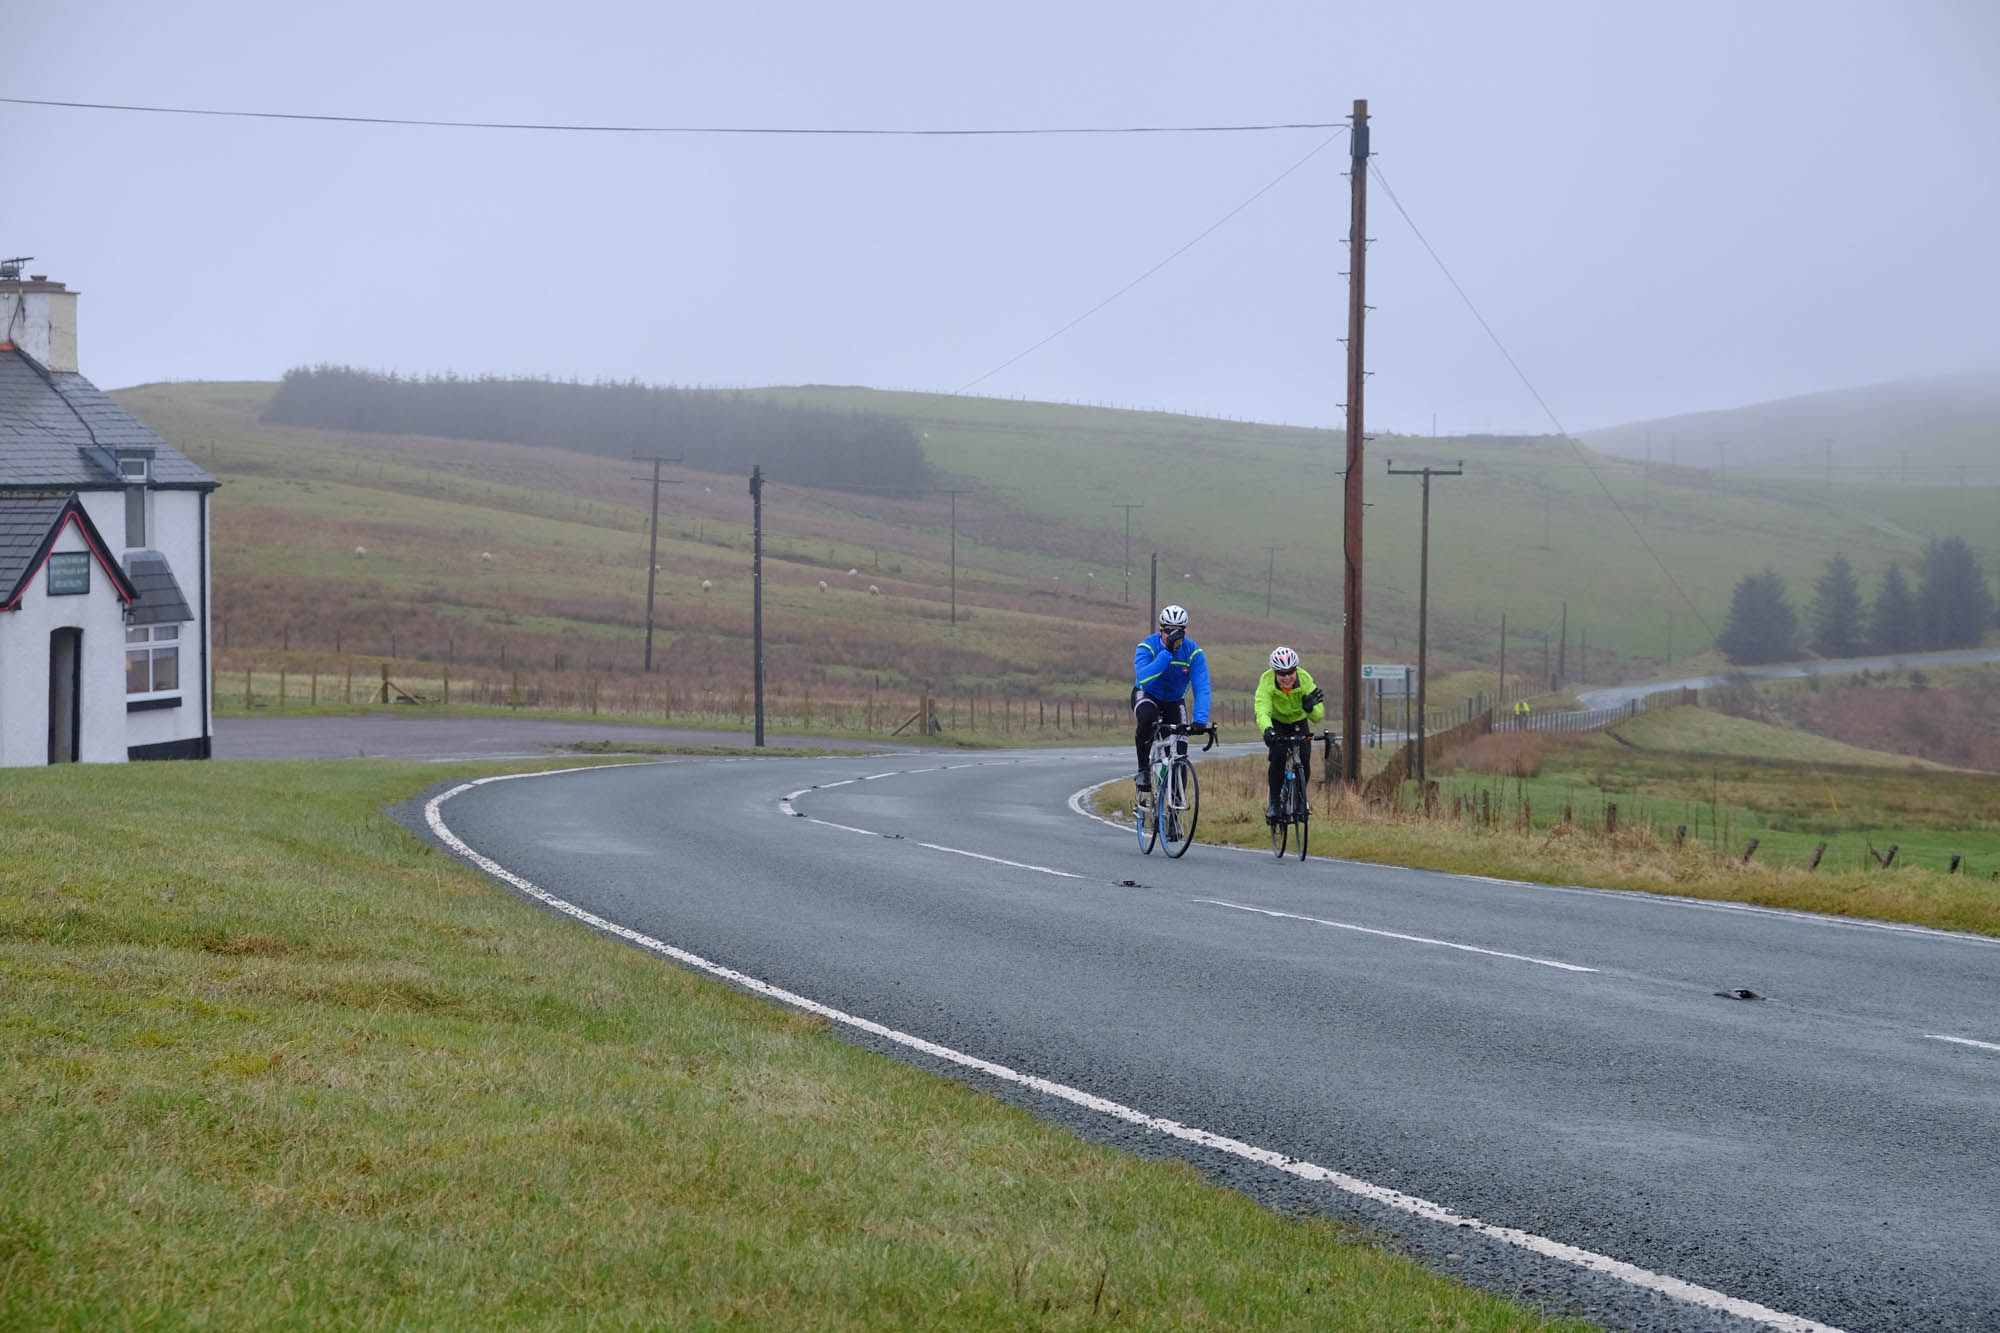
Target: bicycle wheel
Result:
[1145, 820]
[1181, 814]
[1147, 811]
[1280, 824]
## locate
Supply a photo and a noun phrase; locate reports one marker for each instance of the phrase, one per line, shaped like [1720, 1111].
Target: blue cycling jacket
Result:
[1167, 675]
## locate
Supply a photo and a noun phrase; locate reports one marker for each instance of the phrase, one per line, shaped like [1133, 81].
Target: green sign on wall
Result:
[69, 573]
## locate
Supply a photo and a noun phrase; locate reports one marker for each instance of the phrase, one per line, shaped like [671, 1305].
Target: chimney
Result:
[40, 317]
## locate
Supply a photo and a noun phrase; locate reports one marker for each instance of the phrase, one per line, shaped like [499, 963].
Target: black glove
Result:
[1172, 638]
[1314, 699]
[1270, 735]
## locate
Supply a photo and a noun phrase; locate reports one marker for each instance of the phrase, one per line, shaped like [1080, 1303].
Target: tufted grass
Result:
[270, 1061]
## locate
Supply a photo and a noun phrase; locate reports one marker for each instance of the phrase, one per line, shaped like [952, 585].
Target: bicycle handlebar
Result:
[1187, 729]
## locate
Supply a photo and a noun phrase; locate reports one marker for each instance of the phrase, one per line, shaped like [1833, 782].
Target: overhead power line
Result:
[561, 128]
[1561, 429]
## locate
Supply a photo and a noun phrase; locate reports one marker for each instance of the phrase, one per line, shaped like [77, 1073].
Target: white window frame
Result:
[135, 469]
[155, 641]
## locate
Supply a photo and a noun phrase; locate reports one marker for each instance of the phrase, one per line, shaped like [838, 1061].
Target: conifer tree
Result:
[1953, 604]
[1761, 626]
[1895, 627]
[1837, 610]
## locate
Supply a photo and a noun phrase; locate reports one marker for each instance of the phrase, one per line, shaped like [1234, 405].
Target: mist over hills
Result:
[1921, 431]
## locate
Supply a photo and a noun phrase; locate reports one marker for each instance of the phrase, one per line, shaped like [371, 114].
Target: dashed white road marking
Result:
[1397, 935]
[1965, 1041]
[999, 860]
[1410, 1204]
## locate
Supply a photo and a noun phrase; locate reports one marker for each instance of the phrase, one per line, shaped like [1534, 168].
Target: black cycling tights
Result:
[1284, 729]
[1148, 710]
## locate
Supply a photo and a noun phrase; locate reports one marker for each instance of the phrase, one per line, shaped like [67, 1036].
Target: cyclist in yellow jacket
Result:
[1288, 704]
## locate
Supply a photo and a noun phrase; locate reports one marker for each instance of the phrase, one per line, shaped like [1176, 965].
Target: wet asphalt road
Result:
[1553, 1060]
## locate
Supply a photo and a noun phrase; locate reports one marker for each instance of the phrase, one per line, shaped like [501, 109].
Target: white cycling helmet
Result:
[1284, 659]
[1173, 617]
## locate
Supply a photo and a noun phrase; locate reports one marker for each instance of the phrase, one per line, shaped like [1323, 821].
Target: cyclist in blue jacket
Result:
[1164, 665]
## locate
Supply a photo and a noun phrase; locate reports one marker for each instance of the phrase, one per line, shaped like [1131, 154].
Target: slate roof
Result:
[43, 437]
[160, 600]
[25, 521]
[29, 522]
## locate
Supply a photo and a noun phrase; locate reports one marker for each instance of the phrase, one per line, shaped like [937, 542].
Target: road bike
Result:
[1294, 818]
[1170, 810]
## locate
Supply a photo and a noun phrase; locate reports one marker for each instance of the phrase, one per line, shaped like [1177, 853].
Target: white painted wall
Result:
[24, 666]
[173, 528]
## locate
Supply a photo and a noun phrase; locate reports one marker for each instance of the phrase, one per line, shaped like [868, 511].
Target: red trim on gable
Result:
[72, 516]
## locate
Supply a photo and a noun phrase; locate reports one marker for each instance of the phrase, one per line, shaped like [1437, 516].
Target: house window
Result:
[135, 517]
[134, 469]
[152, 660]
[69, 574]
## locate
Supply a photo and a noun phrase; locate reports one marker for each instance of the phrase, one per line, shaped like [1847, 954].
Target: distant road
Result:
[1623, 694]
[402, 736]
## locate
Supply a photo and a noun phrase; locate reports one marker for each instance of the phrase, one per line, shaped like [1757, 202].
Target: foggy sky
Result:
[1658, 209]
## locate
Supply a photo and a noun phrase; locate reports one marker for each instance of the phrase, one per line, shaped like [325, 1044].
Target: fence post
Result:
[447, 685]
[281, 689]
[246, 687]
[314, 698]
[385, 682]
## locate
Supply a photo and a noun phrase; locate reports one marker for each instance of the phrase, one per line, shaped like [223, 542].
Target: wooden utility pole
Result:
[757, 590]
[954, 494]
[1423, 593]
[653, 545]
[1153, 589]
[1128, 508]
[1501, 700]
[1270, 571]
[1357, 291]
[1562, 647]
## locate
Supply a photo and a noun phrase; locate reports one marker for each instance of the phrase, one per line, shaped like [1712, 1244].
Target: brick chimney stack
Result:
[40, 320]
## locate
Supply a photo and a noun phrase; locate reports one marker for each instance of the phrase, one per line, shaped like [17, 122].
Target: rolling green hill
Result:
[495, 554]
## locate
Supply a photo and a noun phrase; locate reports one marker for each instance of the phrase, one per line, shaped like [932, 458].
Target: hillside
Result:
[1923, 432]
[509, 555]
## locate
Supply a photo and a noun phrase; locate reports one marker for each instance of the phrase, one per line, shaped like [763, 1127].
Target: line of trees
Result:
[1951, 608]
[713, 430]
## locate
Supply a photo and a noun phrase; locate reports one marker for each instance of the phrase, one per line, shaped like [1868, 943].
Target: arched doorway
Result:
[65, 695]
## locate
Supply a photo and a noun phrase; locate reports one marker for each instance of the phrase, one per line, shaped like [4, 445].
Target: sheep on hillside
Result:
[875, 591]
[706, 585]
[822, 585]
[360, 551]
[486, 557]
[852, 572]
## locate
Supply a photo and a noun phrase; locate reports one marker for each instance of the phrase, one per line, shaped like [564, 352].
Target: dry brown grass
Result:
[1511, 754]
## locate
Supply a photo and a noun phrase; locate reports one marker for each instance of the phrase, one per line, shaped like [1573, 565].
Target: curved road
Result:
[1548, 1092]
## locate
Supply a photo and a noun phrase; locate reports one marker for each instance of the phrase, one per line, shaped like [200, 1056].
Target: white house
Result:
[104, 560]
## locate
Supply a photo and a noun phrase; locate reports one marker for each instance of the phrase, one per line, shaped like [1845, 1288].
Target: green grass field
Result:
[1042, 600]
[271, 1062]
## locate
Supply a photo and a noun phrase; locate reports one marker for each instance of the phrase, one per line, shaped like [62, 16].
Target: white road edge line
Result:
[1396, 935]
[1964, 1041]
[1631, 1274]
